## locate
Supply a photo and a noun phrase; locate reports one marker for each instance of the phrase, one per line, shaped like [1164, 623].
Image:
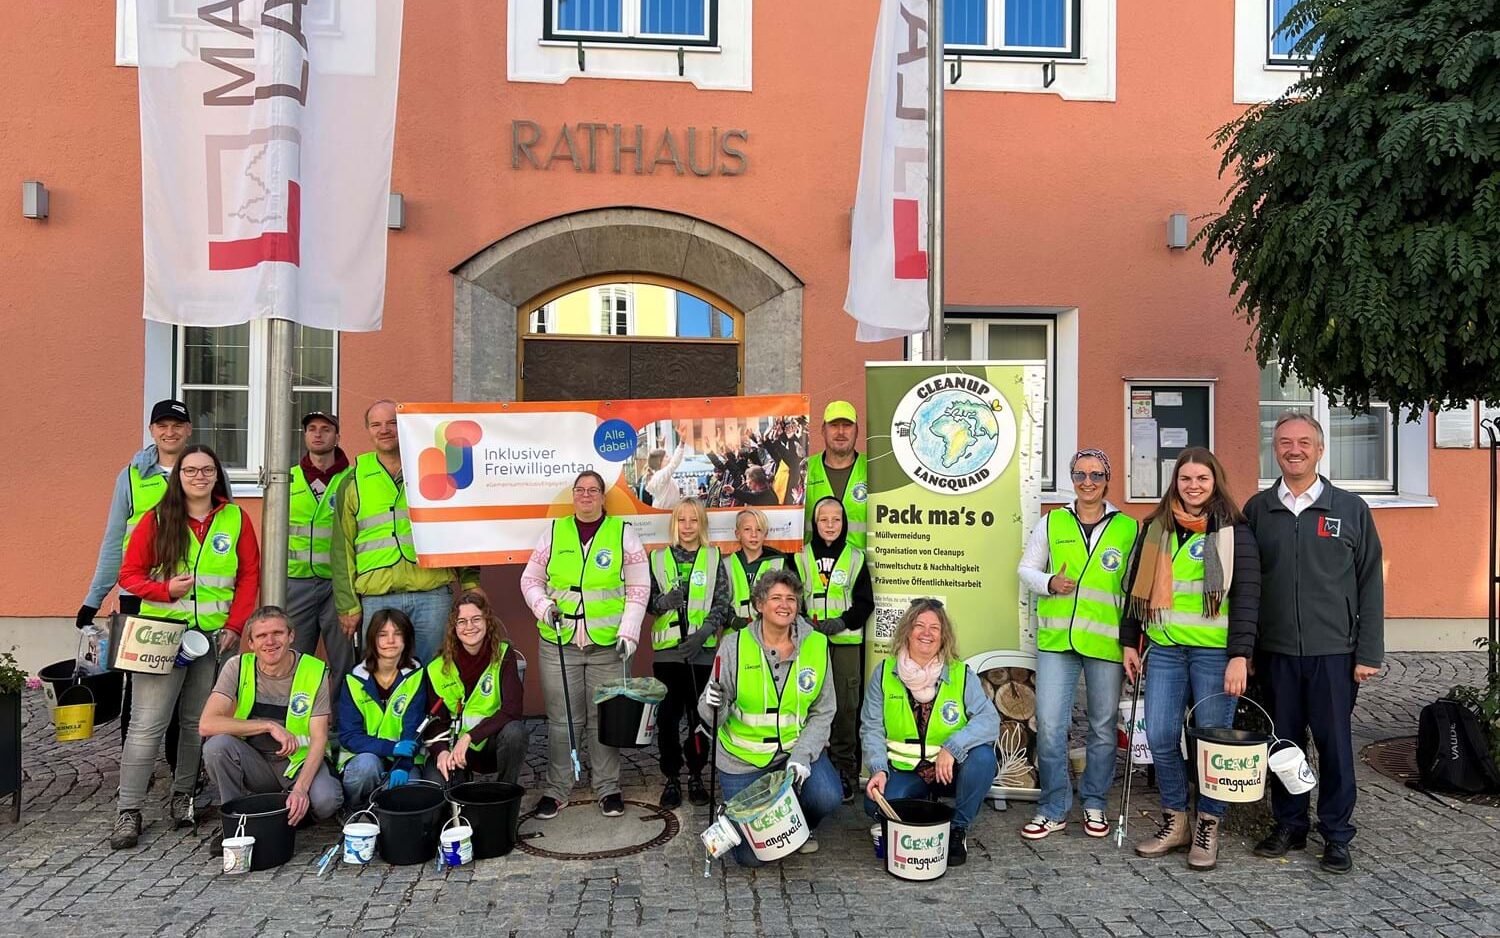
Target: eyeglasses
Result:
[195, 472]
[477, 620]
[927, 601]
[580, 490]
[1094, 476]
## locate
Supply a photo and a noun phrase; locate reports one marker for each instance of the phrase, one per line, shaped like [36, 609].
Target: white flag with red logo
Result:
[888, 247]
[266, 133]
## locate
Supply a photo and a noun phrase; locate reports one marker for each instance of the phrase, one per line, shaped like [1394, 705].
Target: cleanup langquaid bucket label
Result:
[1233, 772]
[770, 816]
[917, 852]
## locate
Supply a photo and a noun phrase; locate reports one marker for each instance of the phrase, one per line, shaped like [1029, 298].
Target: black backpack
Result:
[1452, 752]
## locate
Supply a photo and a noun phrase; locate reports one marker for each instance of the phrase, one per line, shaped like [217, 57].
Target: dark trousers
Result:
[1316, 693]
[684, 683]
[131, 605]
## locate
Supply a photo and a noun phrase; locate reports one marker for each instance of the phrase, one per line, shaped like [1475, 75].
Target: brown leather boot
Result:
[1173, 835]
[1204, 854]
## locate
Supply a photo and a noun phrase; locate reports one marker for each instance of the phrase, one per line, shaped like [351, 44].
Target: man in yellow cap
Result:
[839, 471]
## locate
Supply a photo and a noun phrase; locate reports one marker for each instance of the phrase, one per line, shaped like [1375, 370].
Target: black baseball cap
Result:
[312, 415]
[170, 410]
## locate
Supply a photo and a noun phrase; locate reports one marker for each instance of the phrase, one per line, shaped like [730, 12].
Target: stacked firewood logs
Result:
[1014, 692]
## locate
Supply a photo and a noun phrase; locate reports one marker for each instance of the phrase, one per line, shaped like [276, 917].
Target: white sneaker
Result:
[808, 846]
[1094, 822]
[1040, 826]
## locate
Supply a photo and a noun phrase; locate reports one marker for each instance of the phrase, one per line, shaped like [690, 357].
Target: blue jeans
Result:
[428, 611]
[972, 779]
[1178, 675]
[820, 796]
[362, 775]
[1056, 683]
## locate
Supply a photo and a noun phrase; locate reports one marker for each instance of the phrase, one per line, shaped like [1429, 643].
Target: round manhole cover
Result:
[580, 832]
[1397, 759]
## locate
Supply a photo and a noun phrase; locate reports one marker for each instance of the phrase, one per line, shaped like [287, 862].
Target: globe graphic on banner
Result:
[954, 433]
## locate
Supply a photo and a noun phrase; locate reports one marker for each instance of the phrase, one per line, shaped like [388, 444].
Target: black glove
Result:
[86, 615]
[671, 599]
[831, 626]
[695, 640]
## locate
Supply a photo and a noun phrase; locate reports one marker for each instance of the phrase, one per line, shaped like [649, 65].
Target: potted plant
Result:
[12, 681]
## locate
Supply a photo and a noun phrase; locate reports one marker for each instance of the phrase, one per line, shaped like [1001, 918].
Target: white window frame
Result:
[1257, 79]
[247, 477]
[995, 35]
[1272, 59]
[631, 30]
[1323, 413]
[544, 319]
[1131, 384]
[609, 313]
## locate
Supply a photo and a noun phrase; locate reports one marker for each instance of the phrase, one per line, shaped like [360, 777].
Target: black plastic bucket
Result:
[411, 818]
[627, 723]
[108, 688]
[492, 809]
[265, 820]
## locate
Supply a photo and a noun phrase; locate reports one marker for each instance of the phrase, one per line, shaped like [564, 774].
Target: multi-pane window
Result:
[1010, 340]
[684, 22]
[1045, 28]
[1359, 453]
[615, 307]
[544, 319]
[221, 374]
[1283, 36]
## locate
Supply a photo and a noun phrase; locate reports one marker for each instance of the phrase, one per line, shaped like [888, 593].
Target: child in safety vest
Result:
[380, 706]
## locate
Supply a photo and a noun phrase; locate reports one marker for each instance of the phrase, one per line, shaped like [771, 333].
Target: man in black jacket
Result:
[1322, 625]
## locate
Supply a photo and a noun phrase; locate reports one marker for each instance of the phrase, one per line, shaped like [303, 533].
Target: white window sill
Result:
[1268, 67]
[1399, 501]
[241, 489]
[631, 46]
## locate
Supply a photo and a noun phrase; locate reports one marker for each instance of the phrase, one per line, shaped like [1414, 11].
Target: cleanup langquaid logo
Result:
[603, 559]
[299, 705]
[487, 684]
[1110, 559]
[806, 680]
[949, 712]
[1195, 549]
[700, 578]
[860, 491]
[221, 543]
[399, 704]
[953, 433]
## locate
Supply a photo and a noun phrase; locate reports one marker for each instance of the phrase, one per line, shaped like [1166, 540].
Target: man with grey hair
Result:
[1322, 629]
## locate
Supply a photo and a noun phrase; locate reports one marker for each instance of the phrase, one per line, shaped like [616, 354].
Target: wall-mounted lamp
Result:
[1177, 235]
[33, 199]
[395, 212]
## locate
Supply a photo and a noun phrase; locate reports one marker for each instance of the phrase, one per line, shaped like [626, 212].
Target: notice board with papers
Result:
[1162, 418]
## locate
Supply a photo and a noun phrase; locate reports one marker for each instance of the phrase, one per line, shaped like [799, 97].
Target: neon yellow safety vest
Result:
[309, 543]
[299, 705]
[762, 722]
[1185, 623]
[382, 536]
[383, 721]
[905, 746]
[145, 493]
[1086, 621]
[739, 581]
[214, 563]
[483, 702]
[700, 594]
[856, 496]
[588, 589]
[835, 599]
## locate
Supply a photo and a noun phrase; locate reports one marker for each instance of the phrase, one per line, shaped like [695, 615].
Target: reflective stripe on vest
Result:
[1086, 621]
[483, 702]
[145, 494]
[382, 536]
[739, 581]
[382, 721]
[206, 605]
[299, 704]
[856, 497]
[1185, 623]
[838, 595]
[700, 594]
[904, 745]
[761, 722]
[588, 589]
[310, 521]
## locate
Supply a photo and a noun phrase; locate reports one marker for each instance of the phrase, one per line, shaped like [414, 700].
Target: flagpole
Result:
[276, 474]
[934, 350]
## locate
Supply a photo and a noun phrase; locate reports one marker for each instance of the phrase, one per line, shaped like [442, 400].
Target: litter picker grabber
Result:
[1135, 700]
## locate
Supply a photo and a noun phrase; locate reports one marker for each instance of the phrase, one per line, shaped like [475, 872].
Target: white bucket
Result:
[720, 837]
[237, 853]
[1290, 765]
[916, 847]
[194, 646]
[456, 844]
[359, 839]
[770, 817]
[1134, 737]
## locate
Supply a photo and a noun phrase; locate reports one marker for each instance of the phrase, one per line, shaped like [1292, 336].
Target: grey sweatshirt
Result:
[814, 736]
[982, 728]
[112, 547]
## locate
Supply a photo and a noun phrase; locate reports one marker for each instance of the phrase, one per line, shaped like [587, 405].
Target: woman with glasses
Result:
[928, 728]
[587, 583]
[192, 559]
[475, 685]
[1076, 563]
[774, 704]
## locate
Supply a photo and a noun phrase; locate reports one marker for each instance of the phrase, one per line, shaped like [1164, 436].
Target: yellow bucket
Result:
[74, 721]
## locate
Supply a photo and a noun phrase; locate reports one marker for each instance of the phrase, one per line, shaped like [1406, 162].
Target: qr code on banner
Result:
[888, 612]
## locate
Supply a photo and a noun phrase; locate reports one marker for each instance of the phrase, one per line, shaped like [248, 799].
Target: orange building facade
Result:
[719, 163]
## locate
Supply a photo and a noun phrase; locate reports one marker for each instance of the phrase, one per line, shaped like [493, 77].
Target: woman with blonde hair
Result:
[927, 727]
[1195, 586]
[744, 566]
[691, 602]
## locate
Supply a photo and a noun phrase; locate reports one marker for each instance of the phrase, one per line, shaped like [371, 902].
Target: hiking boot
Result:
[614, 805]
[127, 832]
[1173, 835]
[697, 794]
[958, 847]
[671, 795]
[546, 809]
[183, 811]
[1336, 858]
[1204, 854]
[1279, 841]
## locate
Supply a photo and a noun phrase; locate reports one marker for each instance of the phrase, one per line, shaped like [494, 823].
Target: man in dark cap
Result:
[310, 524]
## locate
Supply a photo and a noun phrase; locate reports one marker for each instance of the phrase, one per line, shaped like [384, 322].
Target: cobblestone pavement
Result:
[1421, 870]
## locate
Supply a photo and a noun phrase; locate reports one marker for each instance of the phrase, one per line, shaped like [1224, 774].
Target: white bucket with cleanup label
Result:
[359, 838]
[916, 847]
[770, 816]
[1133, 737]
[1289, 763]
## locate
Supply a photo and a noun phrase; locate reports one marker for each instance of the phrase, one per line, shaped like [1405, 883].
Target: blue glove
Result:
[399, 777]
[404, 749]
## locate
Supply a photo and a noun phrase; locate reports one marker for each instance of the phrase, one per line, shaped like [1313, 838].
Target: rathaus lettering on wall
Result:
[600, 147]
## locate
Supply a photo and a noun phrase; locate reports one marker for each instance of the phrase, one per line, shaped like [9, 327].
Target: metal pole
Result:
[1493, 575]
[276, 474]
[935, 179]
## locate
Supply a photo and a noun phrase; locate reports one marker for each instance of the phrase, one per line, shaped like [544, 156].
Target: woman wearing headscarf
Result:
[1196, 588]
[1076, 561]
[838, 598]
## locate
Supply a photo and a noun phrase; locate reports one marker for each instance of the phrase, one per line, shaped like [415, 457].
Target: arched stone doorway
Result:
[490, 287]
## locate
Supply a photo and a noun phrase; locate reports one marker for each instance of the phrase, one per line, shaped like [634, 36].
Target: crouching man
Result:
[265, 726]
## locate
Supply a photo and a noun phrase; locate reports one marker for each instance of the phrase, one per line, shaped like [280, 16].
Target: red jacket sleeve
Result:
[140, 557]
[246, 578]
